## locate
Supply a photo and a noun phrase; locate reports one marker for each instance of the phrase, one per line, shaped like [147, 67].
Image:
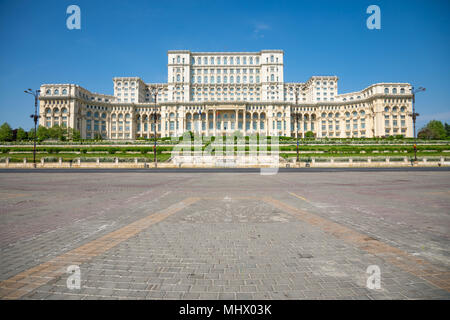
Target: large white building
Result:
[215, 93]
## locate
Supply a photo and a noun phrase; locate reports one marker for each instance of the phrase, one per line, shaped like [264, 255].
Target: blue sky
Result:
[131, 38]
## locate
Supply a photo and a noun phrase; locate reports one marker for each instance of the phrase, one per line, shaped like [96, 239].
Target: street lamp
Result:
[414, 115]
[154, 92]
[35, 117]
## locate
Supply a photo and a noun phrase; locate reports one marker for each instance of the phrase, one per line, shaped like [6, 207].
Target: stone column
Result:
[131, 126]
[236, 120]
[207, 122]
[244, 123]
[214, 121]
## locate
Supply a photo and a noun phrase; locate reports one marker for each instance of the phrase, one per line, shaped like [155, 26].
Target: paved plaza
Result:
[224, 235]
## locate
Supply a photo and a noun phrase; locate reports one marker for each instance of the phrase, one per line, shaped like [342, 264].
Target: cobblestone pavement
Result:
[181, 235]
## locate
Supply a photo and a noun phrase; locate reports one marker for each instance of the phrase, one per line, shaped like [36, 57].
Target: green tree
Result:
[21, 134]
[425, 133]
[57, 132]
[447, 129]
[6, 133]
[76, 135]
[309, 135]
[42, 133]
[31, 134]
[435, 130]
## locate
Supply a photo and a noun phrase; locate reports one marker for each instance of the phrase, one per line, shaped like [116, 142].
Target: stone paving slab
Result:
[230, 244]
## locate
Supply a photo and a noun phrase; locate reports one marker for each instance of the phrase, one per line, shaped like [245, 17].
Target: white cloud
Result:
[259, 28]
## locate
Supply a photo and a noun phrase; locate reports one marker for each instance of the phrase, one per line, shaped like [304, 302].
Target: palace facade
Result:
[216, 93]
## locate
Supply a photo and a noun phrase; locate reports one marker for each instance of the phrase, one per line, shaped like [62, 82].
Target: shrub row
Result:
[110, 150]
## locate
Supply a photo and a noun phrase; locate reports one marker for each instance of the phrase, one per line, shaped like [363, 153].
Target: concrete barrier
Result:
[233, 162]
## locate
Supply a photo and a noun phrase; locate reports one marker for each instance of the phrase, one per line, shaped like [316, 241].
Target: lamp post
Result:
[35, 117]
[154, 92]
[414, 115]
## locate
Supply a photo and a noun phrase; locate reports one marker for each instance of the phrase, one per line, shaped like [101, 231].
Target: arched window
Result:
[386, 109]
[386, 90]
[402, 109]
[402, 90]
[48, 91]
[104, 115]
[205, 60]
[347, 114]
[218, 79]
[88, 114]
[224, 79]
[394, 90]
[199, 61]
[271, 58]
[199, 79]
[272, 78]
[231, 60]
[64, 91]
[211, 60]
[178, 77]
[56, 91]
[224, 60]
[362, 113]
[251, 60]
[279, 115]
[354, 114]
[231, 79]
[238, 60]
[96, 114]
[238, 79]
[323, 115]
